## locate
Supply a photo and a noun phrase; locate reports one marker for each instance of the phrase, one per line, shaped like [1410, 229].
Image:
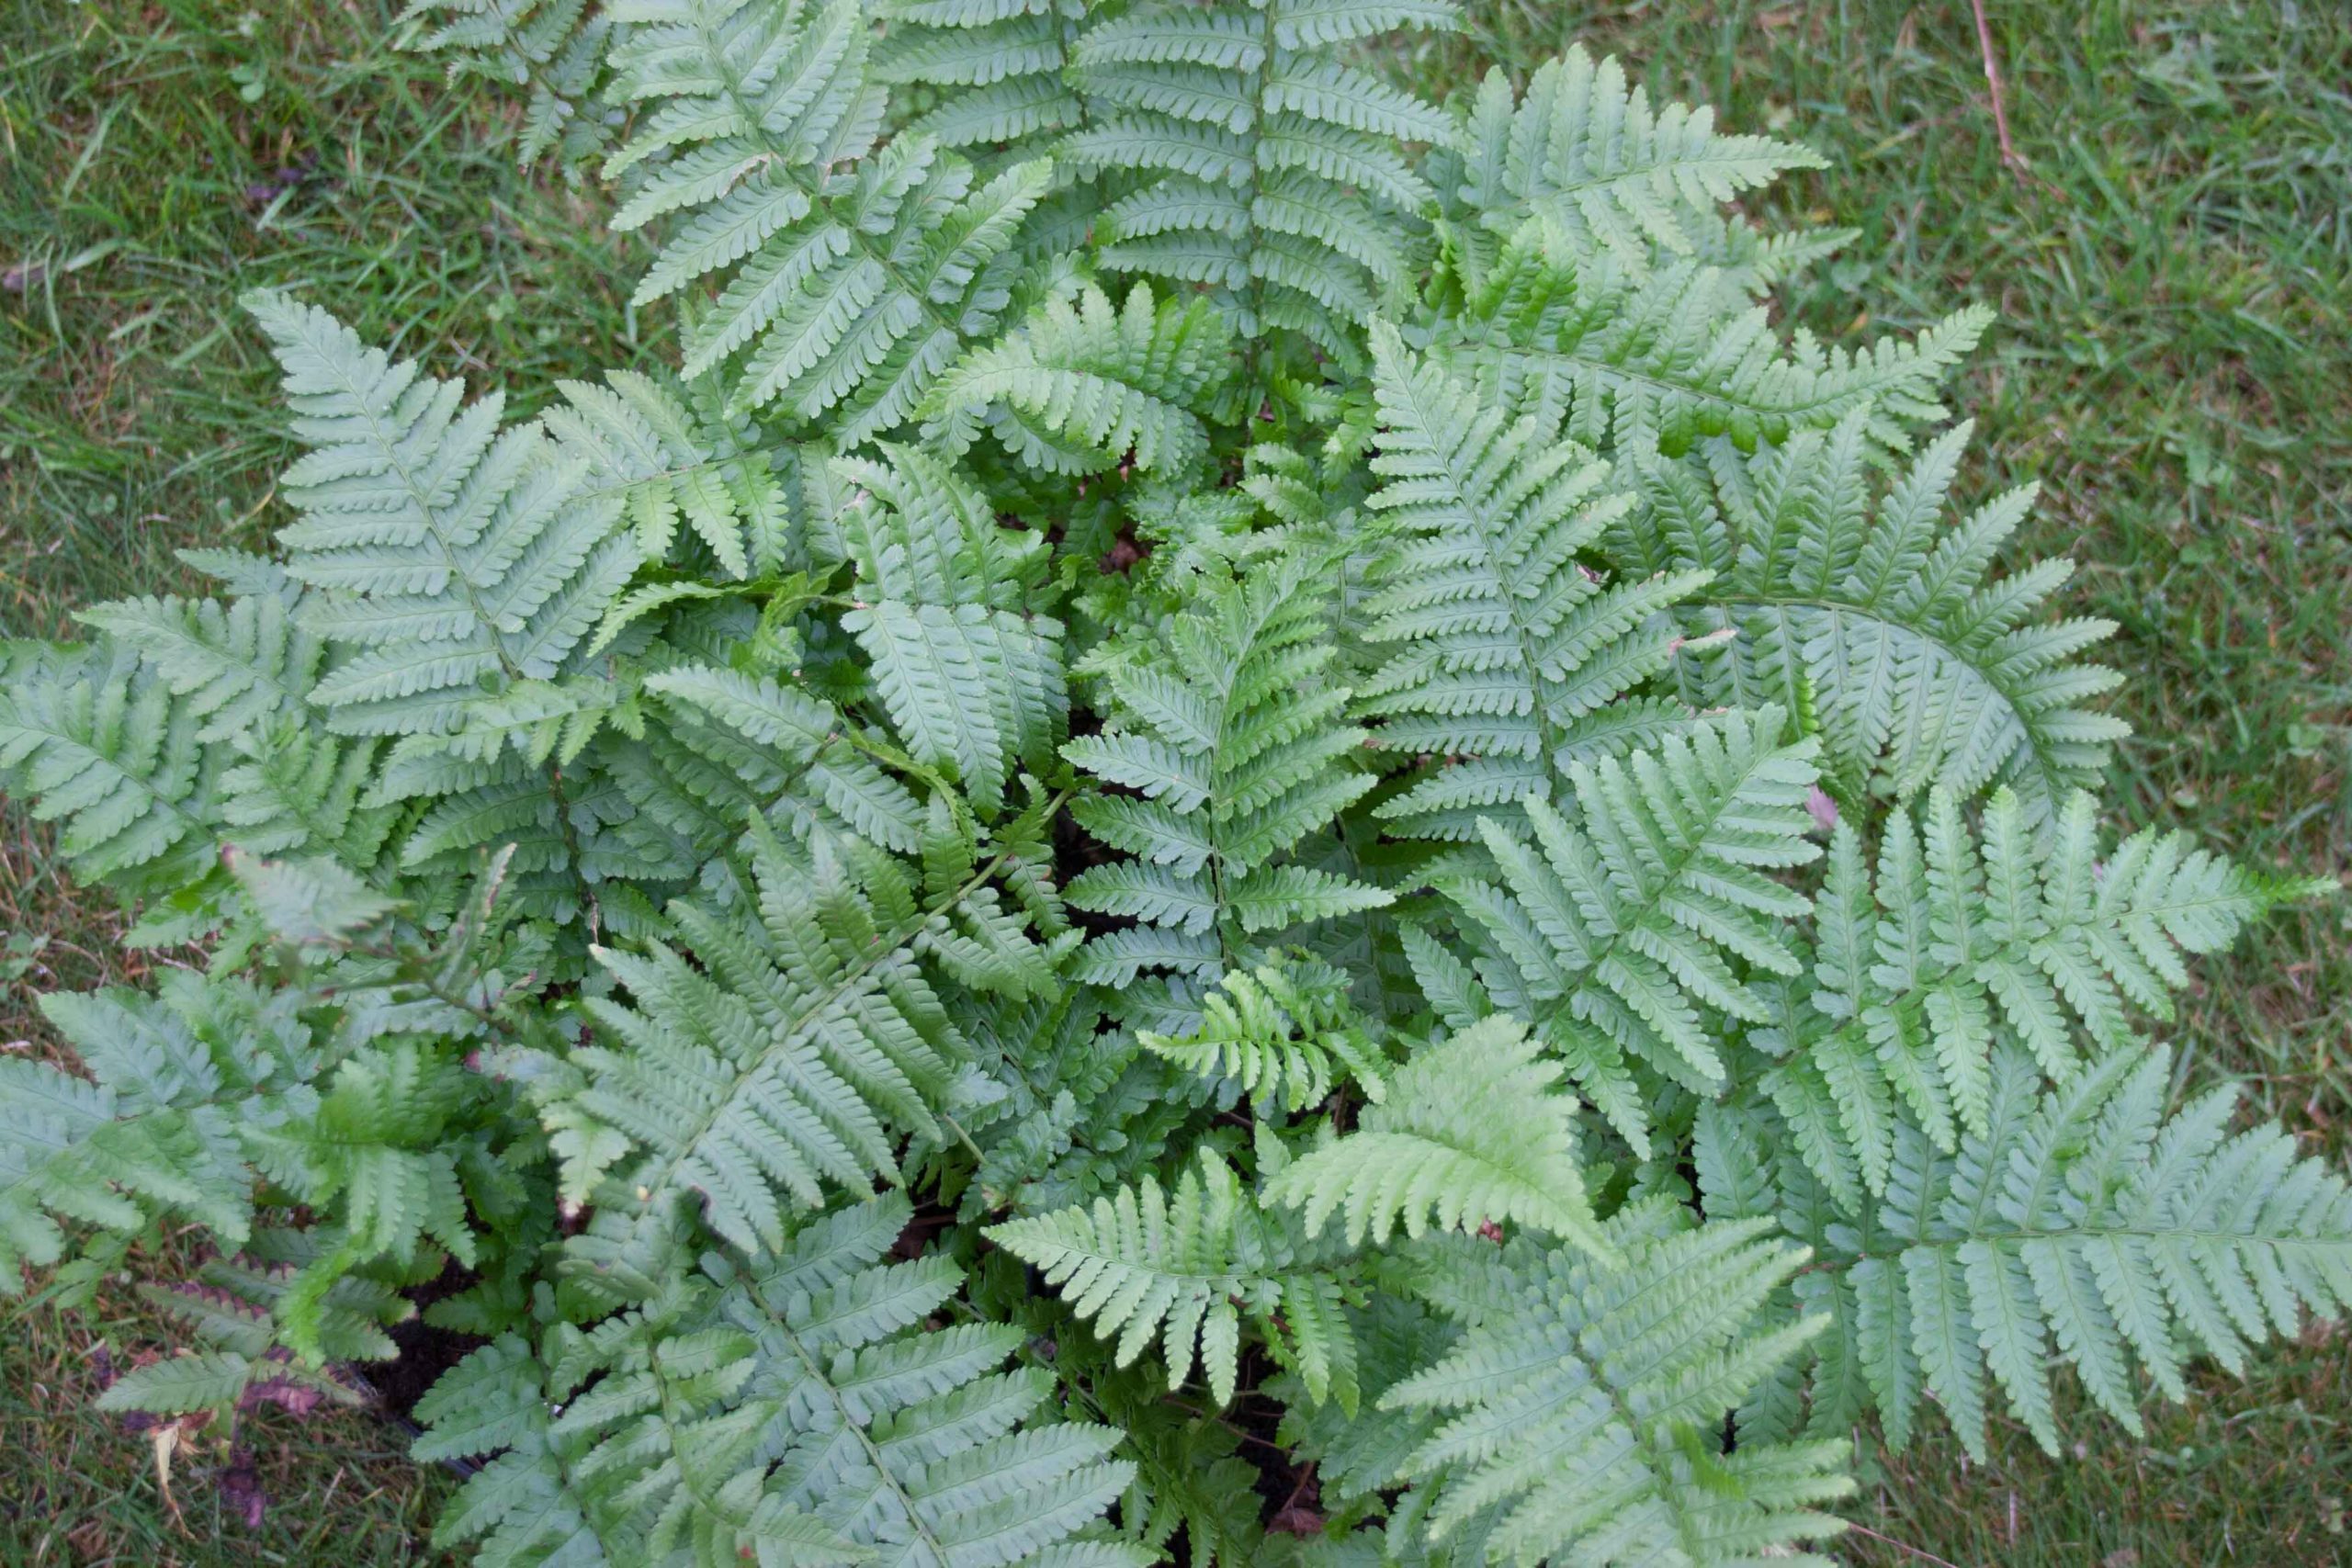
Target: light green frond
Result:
[2084, 1224]
[1472, 1134]
[1270, 170]
[1228, 728]
[1922, 668]
[1585, 1421]
[1660, 362]
[1619, 931]
[1284, 1034]
[105, 748]
[448, 559]
[1963, 945]
[947, 613]
[1180, 1268]
[795, 1051]
[855, 271]
[1587, 153]
[1512, 660]
[1084, 386]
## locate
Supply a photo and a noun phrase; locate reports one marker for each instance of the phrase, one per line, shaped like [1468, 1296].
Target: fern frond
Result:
[1260, 164]
[856, 272]
[1228, 733]
[1512, 660]
[1960, 947]
[523, 1505]
[1586, 153]
[1585, 1413]
[1284, 1033]
[1661, 362]
[555, 48]
[670, 459]
[995, 68]
[1922, 667]
[447, 558]
[1083, 386]
[1181, 1269]
[787, 1058]
[105, 748]
[1471, 1135]
[968, 671]
[1619, 932]
[155, 1129]
[2084, 1224]
[235, 666]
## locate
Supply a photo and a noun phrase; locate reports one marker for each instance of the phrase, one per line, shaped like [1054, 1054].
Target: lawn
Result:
[2173, 265]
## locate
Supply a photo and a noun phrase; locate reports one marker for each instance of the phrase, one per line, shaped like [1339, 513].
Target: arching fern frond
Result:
[1661, 362]
[1923, 668]
[447, 557]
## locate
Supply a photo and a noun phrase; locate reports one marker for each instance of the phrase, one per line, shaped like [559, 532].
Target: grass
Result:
[2174, 271]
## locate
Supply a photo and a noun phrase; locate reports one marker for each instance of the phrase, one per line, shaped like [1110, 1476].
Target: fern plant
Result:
[1242, 830]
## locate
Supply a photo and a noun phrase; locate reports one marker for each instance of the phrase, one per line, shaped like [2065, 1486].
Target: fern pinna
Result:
[1242, 830]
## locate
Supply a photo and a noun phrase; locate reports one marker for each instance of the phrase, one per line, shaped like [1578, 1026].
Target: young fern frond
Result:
[1618, 933]
[1512, 660]
[1924, 668]
[1960, 947]
[2083, 1222]
[857, 269]
[1473, 1135]
[1227, 731]
[1285, 1034]
[1583, 1405]
[1181, 1269]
